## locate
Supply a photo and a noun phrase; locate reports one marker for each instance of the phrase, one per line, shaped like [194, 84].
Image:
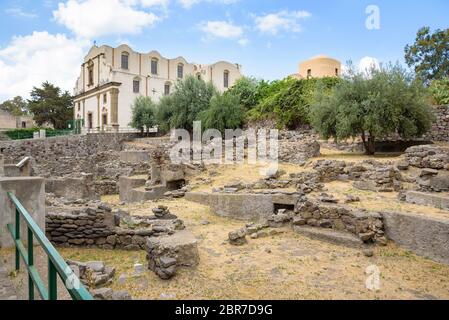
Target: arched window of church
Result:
[125, 60]
[226, 79]
[180, 71]
[90, 72]
[136, 85]
[154, 63]
[167, 87]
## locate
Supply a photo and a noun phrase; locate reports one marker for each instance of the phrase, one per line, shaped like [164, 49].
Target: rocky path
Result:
[7, 290]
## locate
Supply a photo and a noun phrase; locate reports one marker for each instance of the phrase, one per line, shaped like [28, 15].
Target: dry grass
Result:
[379, 201]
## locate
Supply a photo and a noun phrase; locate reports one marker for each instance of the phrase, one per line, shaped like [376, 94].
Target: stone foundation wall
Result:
[368, 226]
[428, 156]
[96, 225]
[423, 235]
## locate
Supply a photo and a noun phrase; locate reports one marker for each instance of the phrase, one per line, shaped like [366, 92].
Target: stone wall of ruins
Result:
[440, 129]
[63, 155]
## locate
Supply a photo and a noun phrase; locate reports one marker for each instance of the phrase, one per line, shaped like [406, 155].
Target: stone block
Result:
[30, 191]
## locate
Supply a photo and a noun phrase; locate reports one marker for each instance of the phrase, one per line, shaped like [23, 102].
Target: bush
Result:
[18, 134]
[288, 101]
[143, 114]
[388, 101]
[246, 89]
[440, 91]
[224, 112]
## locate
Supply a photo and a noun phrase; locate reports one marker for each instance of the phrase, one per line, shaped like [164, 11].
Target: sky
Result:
[47, 40]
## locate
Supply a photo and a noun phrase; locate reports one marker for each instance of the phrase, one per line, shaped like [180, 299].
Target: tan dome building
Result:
[319, 67]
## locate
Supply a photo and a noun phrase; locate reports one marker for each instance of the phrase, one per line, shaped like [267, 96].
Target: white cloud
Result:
[221, 29]
[243, 42]
[30, 60]
[20, 13]
[366, 64]
[189, 3]
[154, 3]
[224, 30]
[96, 18]
[283, 20]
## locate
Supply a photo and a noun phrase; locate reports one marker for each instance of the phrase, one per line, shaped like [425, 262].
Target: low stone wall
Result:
[440, 201]
[72, 188]
[243, 206]
[428, 156]
[297, 147]
[95, 225]
[133, 156]
[79, 226]
[368, 226]
[423, 235]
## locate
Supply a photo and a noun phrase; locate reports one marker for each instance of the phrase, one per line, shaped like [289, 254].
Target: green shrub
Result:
[18, 134]
[246, 89]
[288, 101]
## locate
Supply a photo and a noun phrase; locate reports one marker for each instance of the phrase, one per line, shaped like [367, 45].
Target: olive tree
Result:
[385, 102]
[143, 114]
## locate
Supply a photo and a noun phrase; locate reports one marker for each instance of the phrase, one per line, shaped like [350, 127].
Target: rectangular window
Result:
[89, 120]
[105, 98]
[79, 106]
[154, 66]
[226, 79]
[309, 73]
[180, 71]
[336, 72]
[136, 86]
[167, 89]
[91, 76]
[125, 59]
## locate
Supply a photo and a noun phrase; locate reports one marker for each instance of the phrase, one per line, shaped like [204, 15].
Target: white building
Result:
[111, 78]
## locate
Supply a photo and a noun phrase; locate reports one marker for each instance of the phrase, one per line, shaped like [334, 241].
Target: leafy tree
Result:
[440, 91]
[16, 106]
[191, 97]
[389, 101]
[164, 113]
[429, 55]
[50, 105]
[246, 89]
[143, 114]
[224, 112]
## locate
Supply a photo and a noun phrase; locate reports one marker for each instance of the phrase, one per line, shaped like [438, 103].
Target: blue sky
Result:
[47, 39]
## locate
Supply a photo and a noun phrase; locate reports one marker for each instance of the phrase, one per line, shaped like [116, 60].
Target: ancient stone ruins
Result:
[63, 180]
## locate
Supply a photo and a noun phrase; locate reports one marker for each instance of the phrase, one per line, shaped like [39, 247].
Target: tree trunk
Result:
[369, 144]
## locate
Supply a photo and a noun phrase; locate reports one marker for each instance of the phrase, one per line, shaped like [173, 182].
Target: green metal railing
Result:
[56, 264]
